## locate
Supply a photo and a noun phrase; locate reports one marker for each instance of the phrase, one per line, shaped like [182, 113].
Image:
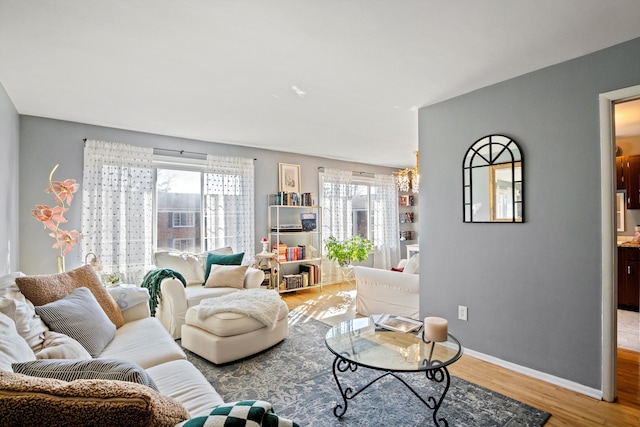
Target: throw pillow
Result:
[41, 290]
[228, 276]
[8, 282]
[61, 346]
[13, 348]
[127, 296]
[79, 315]
[89, 402]
[413, 265]
[202, 256]
[186, 264]
[28, 324]
[272, 420]
[245, 413]
[219, 259]
[93, 369]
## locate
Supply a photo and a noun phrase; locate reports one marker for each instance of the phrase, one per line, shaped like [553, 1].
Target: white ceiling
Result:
[334, 78]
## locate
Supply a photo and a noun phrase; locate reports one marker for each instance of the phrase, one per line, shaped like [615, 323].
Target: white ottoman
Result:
[225, 337]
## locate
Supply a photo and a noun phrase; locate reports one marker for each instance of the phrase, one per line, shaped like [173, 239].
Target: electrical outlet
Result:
[462, 312]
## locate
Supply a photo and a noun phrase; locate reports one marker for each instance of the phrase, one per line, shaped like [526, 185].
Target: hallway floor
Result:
[629, 330]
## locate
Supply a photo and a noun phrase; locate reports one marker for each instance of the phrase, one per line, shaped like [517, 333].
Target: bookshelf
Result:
[294, 236]
[408, 219]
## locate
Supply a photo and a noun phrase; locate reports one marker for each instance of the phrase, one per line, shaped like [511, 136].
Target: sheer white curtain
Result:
[229, 210]
[337, 216]
[337, 195]
[117, 207]
[384, 217]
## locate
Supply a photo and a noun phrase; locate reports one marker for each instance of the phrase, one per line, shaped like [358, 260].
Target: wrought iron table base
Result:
[437, 374]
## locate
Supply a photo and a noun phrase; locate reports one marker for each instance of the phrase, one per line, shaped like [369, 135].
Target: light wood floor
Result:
[335, 303]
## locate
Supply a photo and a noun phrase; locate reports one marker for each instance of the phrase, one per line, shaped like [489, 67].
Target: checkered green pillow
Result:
[245, 413]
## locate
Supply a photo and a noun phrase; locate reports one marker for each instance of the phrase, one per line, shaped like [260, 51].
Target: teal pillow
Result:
[212, 258]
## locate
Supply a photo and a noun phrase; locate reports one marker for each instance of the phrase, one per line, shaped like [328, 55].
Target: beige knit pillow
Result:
[41, 290]
[228, 276]
[51, 402]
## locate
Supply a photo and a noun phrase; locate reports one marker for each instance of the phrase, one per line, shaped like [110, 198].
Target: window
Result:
[184, 245]
[360, 209]
[183, 219]
[365, 206]
[178, 203]
[204, 205]
[136, 201]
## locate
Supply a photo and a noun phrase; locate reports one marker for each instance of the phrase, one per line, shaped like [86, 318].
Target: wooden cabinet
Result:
[628, 178]
[629, 278]
[620, 161]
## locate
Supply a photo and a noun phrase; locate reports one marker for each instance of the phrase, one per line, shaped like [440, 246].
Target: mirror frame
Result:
[492, 152]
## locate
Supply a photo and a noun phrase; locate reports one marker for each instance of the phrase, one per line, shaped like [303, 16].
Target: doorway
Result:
[609, 236]
[627, 139]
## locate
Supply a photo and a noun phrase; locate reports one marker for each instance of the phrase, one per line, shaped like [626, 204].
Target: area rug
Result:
[296, 377]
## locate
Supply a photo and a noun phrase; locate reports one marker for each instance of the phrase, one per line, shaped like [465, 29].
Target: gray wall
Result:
[9, 124]
[45, 142]
[532, 289]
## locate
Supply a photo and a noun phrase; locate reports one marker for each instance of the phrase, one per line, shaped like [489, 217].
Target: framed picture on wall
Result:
[288, 178]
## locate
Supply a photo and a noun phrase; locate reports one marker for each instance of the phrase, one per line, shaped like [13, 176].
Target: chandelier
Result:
[409, 178]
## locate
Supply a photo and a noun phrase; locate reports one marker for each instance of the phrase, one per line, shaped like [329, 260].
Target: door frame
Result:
[608, 236]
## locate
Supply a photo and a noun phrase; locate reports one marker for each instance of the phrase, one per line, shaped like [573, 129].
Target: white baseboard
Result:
[570, 385]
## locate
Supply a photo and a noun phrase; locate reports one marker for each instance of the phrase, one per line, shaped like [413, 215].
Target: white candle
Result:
[435, 329]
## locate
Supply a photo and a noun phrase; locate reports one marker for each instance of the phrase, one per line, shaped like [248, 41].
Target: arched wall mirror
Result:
[493, 181]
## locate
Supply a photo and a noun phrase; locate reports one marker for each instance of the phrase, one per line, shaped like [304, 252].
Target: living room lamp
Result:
[409, 178]
[94, 262]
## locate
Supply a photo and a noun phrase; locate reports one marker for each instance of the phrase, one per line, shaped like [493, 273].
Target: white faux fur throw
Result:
[260, 304]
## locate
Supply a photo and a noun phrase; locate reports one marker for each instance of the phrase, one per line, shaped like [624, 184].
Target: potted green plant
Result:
[344, 253]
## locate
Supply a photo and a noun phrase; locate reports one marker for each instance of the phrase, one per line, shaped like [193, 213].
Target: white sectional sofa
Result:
[182, 391]
[385, 291]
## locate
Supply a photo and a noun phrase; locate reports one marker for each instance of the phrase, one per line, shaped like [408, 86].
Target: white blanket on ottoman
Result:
[260, 304]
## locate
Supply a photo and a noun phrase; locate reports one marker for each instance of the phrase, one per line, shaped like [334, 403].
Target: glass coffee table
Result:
[356, 343]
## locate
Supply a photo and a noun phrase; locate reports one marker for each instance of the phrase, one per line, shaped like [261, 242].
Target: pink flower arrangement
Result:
[264, 240]
[52, 217]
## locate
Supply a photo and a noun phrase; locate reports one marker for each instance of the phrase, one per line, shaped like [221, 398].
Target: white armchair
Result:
[175, 298]
[386, 291]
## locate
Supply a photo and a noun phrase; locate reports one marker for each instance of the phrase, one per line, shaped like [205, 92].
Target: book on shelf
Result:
[283, 198]
[281, 251]
[291, 281]
[395, 323]
[406, 200]
[406, 217]
[406, 235]
[311, 270]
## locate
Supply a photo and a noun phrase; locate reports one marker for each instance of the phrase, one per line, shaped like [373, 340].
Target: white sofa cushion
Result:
[144, 342]
[186, 264]
[61, 346]
[8, 283]
[413, 265]
[13, 348]
[195, 294]
[228, 324]
[180, 380]
[28, 324]
[384, 291]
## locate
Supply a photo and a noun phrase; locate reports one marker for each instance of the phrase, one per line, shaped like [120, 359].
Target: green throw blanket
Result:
[152, 281]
